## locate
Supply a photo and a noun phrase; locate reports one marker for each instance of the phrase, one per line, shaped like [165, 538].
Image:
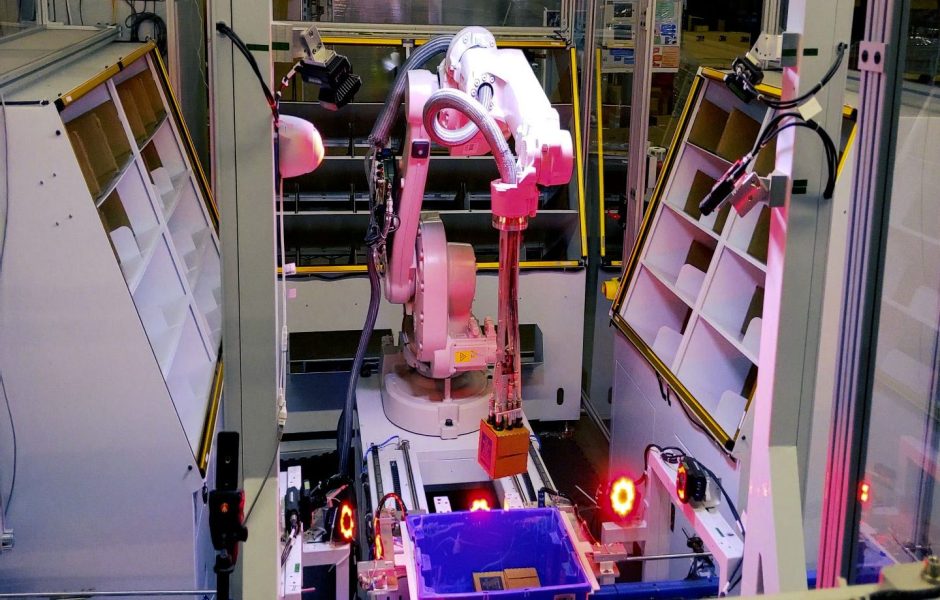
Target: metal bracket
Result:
[6, 540]
[766, 49]
[871, 56]
[790, 49]
[779, 186]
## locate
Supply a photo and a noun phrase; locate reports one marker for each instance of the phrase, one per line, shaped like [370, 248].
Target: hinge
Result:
[871, 56]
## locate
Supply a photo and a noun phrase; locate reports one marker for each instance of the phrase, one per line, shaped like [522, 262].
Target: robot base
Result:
[442, 408]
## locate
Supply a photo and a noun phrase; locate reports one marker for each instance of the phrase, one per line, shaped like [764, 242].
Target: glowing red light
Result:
[682, 482]
[479, 504]
[378, 540]
[622, 496]
[347, 525]
[864, 492]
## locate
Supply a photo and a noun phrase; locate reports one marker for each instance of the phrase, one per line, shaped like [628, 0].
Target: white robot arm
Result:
[480, 96]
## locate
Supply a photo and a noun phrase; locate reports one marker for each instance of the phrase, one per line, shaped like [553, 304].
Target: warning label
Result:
[465, 356]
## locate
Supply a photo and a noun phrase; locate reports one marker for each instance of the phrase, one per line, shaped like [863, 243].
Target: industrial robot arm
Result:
[480, 96]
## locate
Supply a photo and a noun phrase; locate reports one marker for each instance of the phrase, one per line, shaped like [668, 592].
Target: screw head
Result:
[864, 55]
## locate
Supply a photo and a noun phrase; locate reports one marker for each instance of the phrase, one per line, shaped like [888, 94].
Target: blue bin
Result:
[450, 547]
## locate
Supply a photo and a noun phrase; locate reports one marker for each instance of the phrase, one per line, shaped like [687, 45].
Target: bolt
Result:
[58, 132]
[931, 571]
[877, 58]
[449, 423]
[864, 55]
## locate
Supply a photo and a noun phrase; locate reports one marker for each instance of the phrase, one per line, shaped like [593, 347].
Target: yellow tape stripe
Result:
[363, 41]
[484, 266]
[845, 153]
[205, 445]
[513, 43]
[600, 154]
[576, 105]
[188, 140]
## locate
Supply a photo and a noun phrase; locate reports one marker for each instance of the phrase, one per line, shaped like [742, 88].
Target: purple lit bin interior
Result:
[451, 547]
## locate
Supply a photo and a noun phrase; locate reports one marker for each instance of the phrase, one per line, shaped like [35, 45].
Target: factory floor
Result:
[576, 454]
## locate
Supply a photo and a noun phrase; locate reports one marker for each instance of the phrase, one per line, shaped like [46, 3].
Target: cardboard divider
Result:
[129, 102]
[709, 126]
[84, 163]
[142, 103]
[766, 159]
[88, 129]
[701, 185]
[738, 137]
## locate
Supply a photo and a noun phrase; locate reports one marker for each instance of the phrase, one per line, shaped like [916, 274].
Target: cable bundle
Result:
[136, 19]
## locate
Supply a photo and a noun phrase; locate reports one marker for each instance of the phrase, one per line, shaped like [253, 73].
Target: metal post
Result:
[639, 124]
[799, 244]
[879, 91]
[243, 160]
[770, 19]
[587, 76]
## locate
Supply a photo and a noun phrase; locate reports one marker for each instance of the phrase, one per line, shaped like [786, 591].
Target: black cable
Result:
[6, 507]
[734, 584]
[693, 419]
[731, 506]
[828, 144]
[775, 122]
[556, 494]
[794, 102]
[3, 243]
[136, 19]
[905, 594]
[263, 483]
[228, 32]
[670, 454]
[344, 435]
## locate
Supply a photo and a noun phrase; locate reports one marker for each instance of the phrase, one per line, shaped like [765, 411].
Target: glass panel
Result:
[17, 16]
[687, 35]
[899, 499]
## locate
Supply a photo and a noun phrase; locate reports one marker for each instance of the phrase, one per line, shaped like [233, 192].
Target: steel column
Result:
[879, 93]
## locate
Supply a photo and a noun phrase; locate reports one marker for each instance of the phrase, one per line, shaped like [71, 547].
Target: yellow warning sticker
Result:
[464, 356]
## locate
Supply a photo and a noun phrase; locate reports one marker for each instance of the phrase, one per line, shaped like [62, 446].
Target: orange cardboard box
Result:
[503, 453]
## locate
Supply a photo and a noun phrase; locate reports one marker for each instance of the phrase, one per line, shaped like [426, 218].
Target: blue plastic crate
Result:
[450, 547]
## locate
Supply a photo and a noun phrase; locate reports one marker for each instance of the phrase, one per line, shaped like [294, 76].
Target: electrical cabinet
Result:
[110, 311]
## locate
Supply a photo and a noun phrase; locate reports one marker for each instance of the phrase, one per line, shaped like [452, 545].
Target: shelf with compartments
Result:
[160, 223]
[155, 209]
[110, 296]
[692, 294]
